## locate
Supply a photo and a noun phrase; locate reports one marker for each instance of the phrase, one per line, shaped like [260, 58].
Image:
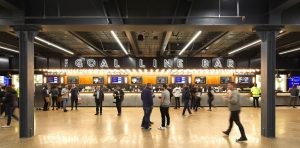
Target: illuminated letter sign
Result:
[167, 63]
[104, 64]
[154, 63]
[116, 64]
[66, 64]
[141, 64]
[230, 63]
[91, 63]
[205, 63]
[218, 64]
[79, 63]
[179, 63]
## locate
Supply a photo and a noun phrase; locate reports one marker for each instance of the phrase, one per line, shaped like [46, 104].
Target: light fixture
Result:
[190, 42]
[288, 51]
[9, 49]
[244, 47]
[54, 45]
[119, 42]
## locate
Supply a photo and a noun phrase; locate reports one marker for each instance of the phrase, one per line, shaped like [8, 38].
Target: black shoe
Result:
[241, 139]
[65, 110]
[226, 133]
[100, 113]
[53, 109]
[151, 122]
[119, 114]
[97, 114]
[175, 108]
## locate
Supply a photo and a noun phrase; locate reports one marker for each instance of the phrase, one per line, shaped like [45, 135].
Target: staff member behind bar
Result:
[233, 102]
[186, 99]
[255, 91]
[164, 107]
[99, 98]
[74, 96]
[119, 97]
[147, 99]
[176, 93]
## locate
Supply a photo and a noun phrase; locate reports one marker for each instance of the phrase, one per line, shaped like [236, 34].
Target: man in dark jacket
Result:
[147, 100]
[119, 97]
[10, 101]
[294, 92]
[186, 99]
[2, 105]
[54, 95]
[99, 98]
[46, 97]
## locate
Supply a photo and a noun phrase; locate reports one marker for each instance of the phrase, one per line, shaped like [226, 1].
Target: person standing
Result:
[119, 97]
[10, 101]
[147, 99]
[54, 96]
[164, 107]
[59, 98]
[210, 97]
[186, 99]
[74, 96]
[255, 91]
[65, 96]
[198, 97]
[233, 101]
[193, 97]
[2, 105]
[46, 97]
[99, 98]
[294, 93]
[176, 93]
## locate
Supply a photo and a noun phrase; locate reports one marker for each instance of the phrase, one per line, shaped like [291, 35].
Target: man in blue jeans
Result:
[147, 100]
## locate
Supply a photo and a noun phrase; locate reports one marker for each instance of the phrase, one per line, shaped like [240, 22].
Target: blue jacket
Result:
[186, 95]
[147, 98]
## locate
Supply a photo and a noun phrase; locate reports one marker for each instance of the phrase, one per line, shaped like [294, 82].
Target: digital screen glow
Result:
[295, 80]
[200, 80]
[244, 80]
[136, 80]
[98, 80]
[117, 80]
[181, 80]
[162, 80]
[53, 80]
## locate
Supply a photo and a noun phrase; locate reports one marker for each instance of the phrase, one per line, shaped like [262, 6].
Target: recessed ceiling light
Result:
[9, 49]
[190, 42]
[54, 45]
[244, 47]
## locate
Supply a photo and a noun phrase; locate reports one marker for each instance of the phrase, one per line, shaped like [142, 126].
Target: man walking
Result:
[147, 100]
[164, 107]
[186, 99]
[233, 102]
[99, 98]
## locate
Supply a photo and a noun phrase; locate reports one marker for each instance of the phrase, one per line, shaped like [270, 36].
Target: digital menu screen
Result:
[181, 80]
[53, 80]
[244, 80]
[295, 80]
[136, 80]
[4, 80]
[117, 80]
[73, 80]
[162, 80]
[200, 80]
[98, 80]
[225, 80]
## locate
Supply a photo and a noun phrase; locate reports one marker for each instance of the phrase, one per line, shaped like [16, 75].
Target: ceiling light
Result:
[288, 51]
[54, 45]
[119, 42]
[9, 49]
[190, 42]
[244, 47]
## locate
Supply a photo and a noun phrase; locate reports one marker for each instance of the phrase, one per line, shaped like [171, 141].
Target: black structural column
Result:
[26, 36]
[268, 35]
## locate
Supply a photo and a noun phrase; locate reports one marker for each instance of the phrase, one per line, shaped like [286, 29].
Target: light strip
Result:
[190, 42]
[9, 49]
[119, 42]
[288, 51]
[244, 47]
[53, 45]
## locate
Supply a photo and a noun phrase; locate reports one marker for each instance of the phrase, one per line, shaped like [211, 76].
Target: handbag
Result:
[47, 99]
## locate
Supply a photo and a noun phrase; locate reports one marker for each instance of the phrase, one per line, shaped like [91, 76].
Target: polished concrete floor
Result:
[82, 128]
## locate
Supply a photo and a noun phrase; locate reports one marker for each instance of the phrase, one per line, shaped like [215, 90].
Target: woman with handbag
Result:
[46, 97]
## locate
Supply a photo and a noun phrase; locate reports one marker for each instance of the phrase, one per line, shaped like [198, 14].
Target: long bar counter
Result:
[134, 99]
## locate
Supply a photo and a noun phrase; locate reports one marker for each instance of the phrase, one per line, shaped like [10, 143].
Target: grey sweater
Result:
[234, 101]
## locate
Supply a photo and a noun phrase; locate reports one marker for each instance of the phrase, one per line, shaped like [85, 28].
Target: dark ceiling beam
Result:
[87, 43]
[105, 13]
[189, 12]
[175, 11]
[208, 44]
[133, 43]
[287, 4]
[165, 42]
[119, 11]
[9, 6]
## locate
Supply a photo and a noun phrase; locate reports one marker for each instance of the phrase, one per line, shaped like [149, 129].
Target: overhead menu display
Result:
[73, 80]
[161, 80]
[136, 80]
[225, 80]
[200, 80]
[295, 80]
[53, 80]
[98, 80]
[117, 80]
[181, 80]
[244, 80]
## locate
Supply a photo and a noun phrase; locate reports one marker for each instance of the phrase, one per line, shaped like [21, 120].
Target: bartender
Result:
[119, 97]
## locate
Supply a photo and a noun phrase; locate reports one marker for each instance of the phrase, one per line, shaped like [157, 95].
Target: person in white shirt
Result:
[177, 93]
[65, 95]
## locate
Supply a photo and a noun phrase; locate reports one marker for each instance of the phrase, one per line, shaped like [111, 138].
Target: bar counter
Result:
[134, 99]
